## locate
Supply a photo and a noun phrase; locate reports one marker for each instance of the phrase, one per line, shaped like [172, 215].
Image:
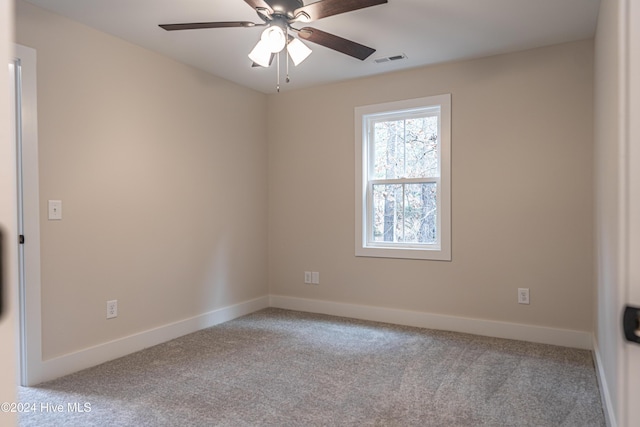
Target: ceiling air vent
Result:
[390, 58]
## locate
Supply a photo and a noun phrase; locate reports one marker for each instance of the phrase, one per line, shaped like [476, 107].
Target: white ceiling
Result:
[427, 31]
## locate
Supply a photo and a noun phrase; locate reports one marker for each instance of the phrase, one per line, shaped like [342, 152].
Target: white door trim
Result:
[30, 311]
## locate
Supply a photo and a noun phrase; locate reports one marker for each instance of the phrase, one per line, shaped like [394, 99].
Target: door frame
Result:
[28, 295]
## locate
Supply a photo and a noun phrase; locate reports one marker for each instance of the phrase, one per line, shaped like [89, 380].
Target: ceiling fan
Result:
[279, 16]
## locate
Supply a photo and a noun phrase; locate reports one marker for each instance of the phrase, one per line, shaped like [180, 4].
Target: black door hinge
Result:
[21, 239]
[631, 324]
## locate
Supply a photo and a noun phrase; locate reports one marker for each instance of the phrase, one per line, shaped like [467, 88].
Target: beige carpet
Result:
[285, 368]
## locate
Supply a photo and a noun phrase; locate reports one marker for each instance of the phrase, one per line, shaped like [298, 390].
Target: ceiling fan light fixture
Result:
[261, 54]
[278, 17]
[298, 51]
[274, 38]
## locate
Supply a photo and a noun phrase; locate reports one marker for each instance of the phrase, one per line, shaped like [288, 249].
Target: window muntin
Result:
[403, 180]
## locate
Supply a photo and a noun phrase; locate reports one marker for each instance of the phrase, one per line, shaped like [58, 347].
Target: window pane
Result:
[421, 147]
[388, 142]
[387, 212]
[406, 148]
[405, 213]
[420, 209]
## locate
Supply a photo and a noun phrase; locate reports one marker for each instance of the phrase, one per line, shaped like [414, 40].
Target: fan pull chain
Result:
[278, 71]
[288, 79]
[287, 58]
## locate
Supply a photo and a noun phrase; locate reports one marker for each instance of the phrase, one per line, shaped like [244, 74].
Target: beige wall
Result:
[7, 222]
[609, 202]
[162, 172]
[522, 179]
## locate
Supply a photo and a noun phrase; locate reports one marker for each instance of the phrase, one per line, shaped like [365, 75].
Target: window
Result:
[403, 185]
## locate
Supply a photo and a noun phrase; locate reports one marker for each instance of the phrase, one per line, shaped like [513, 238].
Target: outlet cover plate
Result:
[112, 309]
[523, 295]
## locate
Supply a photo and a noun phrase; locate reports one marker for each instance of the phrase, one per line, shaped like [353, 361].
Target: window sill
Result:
[440, 254]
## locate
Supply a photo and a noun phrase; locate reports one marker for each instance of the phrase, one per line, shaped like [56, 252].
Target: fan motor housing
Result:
[284, 7]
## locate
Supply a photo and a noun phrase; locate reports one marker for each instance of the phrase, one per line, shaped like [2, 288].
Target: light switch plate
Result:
[55, 209]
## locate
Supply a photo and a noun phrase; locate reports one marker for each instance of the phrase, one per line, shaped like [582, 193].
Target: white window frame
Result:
[364, 244]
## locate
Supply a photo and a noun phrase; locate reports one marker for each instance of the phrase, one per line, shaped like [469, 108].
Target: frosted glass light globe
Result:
[274, 37]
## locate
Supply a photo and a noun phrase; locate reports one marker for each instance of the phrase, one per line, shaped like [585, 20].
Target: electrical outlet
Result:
[315, 278]
[307, 277]
[112, 309]
[523, 295]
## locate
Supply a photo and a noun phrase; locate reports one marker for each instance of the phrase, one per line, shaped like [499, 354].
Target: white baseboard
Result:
[92, 356]
[607, 404]
[491, 328]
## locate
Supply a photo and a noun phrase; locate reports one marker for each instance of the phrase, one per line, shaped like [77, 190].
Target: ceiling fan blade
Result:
[199, 25]
[334, 42]
[259, 4]
[324, 8]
